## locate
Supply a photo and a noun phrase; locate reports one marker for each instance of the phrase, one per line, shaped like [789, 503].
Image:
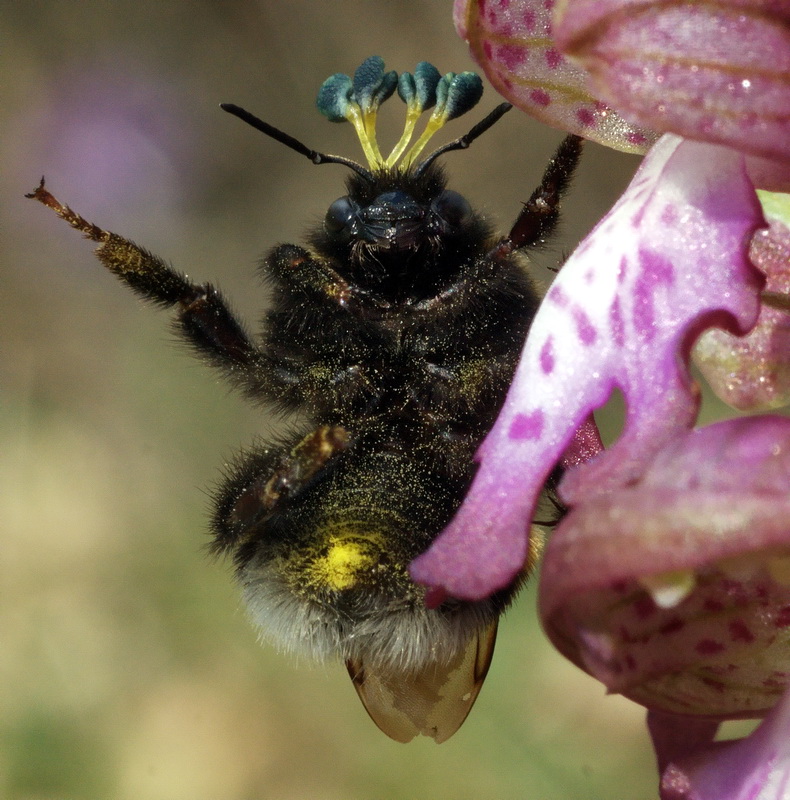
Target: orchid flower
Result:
[668, 578]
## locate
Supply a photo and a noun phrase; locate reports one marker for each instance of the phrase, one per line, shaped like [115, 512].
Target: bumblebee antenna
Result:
[294, 144]
[462, 142]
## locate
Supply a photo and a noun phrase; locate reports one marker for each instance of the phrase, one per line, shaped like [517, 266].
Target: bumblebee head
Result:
[396, 213]
[398, 232]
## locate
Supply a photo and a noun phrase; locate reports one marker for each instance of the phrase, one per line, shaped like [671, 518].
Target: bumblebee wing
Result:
[433, 701]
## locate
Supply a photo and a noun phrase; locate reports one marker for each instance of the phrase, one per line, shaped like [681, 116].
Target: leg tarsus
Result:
[539, 216]
[142, 271]
[90, 230]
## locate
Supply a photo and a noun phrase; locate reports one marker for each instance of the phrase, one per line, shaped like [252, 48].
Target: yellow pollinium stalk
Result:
[357, 100]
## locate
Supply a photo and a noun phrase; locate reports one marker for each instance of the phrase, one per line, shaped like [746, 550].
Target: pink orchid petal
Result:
[769, 174]
[754, 768]
[666, 262]
[714, 71]
[675, 736]
[586, 444]
[512, 43]
[752, 372]
[714, 505]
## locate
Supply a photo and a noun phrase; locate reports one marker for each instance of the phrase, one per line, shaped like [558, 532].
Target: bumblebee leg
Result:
[533, 226]
[204, 318]
[539, 216]
[266, 480]
[298, 269]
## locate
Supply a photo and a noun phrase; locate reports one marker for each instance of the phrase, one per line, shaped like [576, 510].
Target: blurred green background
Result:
[127, 667]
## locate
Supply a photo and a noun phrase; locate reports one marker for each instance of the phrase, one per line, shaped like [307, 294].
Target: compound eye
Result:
[340, 217]
[453, 208]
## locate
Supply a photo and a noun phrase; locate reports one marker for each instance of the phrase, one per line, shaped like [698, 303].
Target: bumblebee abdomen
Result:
[360, 524]
[326, 569]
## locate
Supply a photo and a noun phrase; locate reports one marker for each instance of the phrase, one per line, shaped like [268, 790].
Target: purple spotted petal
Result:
[752, 373]
[754, 768]
[512, 42]
[675, 590]
[665, 263]
[714, 71]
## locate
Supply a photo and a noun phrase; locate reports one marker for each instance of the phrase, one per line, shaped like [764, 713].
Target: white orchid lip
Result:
[675, 590]
[694, 643]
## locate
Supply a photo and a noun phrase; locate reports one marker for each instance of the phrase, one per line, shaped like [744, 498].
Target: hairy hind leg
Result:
[265, 480]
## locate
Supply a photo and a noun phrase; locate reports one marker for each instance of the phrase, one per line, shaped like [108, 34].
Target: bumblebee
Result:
[391, 339]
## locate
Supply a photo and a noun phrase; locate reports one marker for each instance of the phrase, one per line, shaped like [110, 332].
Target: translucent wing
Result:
[433, 701]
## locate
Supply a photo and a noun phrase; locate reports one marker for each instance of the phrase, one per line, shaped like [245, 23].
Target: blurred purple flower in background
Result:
[669, 579]
[116, 133]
